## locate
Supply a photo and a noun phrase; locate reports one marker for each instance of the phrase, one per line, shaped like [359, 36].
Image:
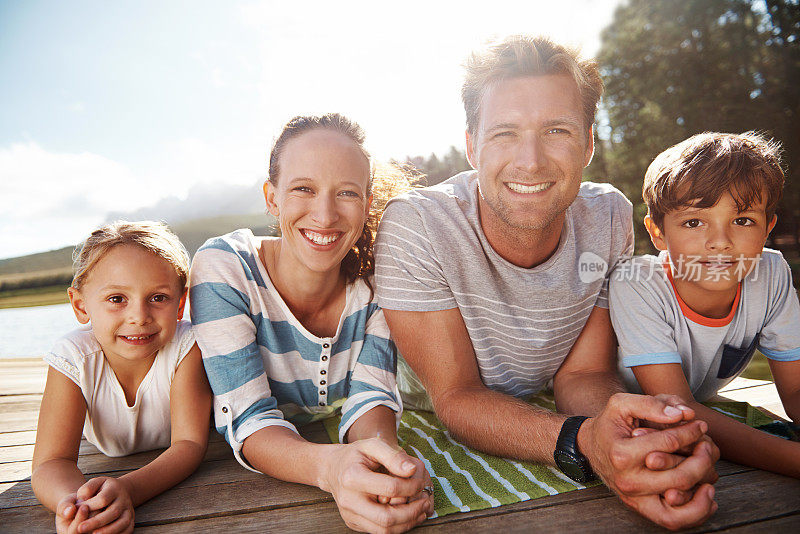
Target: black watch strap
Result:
[567, 455]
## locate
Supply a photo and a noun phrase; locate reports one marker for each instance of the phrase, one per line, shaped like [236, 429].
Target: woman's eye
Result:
[115, 299]
[692, 223]
[351, 194]
[743, 221]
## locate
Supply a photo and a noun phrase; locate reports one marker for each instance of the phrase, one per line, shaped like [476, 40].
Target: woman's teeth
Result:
[320, 239]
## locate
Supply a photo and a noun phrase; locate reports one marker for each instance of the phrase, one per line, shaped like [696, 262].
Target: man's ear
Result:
[78, 305]
[269, 197]
[656, 235]
[587, 159]
[471, 150]
[182, 305]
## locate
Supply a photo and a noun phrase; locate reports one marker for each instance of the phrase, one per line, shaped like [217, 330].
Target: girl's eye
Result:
[692, 223]
[743, 221]
[116, 299]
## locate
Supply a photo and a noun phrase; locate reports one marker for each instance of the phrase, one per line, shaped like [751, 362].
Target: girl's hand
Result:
[110, 500]
[66, 510]
[354, 477]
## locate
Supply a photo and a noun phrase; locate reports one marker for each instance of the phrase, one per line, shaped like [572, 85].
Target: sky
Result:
[112, 106]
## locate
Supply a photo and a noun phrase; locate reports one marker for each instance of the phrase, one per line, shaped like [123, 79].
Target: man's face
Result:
[530, 149]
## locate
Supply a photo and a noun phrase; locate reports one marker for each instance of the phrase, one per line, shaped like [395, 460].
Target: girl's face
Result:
[133, 299]
[320, 198]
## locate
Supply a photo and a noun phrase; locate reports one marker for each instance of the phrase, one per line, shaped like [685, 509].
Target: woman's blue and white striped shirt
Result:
[264, 367]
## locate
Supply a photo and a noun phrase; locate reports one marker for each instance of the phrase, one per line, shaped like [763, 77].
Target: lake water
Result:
[26, 332]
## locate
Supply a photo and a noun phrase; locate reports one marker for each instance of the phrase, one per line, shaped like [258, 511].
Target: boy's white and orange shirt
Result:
[654, 326]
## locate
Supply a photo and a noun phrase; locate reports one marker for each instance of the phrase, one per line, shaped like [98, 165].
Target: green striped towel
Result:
[465, 479]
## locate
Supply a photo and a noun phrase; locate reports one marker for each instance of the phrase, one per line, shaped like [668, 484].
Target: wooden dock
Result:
[222, 496]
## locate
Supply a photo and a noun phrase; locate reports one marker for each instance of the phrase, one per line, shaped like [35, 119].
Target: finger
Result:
[660, 461]
[122, 524]
[395, 460]
[674, 497]
[81, 515]
[668, 440]
[398, 500]
[384, 516]
[383, 499]
[105, 517]
[679, 403]
[67, 507]
[363, 480]
[646, 407]
[693, 513]
[90, 488]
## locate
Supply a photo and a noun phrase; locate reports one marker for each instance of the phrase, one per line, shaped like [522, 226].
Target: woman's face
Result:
[320, 198]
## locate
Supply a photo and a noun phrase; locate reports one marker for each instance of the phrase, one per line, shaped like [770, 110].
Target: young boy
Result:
[689, 320]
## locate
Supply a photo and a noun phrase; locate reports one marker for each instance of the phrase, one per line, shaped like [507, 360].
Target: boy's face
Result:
[134, 300]
[712, 249]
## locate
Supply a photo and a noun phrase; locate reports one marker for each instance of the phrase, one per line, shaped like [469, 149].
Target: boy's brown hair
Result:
[698, 171]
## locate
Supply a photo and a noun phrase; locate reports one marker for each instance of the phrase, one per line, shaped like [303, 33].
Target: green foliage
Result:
[676, 68]
[438, 169]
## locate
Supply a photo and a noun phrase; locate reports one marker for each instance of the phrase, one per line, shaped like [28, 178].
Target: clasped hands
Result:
[377, 486]
[655, 456]
[102, 505]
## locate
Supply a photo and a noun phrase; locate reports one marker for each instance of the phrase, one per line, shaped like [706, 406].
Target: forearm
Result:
[585, 393]
[172, 466]
[742, 444]
[280, 453]
[54, 479]
[499, 424]
[377, 422]
[791, 404]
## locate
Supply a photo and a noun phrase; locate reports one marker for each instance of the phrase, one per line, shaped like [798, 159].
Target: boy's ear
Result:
[182, 305]
[269, 197]
[656, 235]
[78, 305]
[771, 224]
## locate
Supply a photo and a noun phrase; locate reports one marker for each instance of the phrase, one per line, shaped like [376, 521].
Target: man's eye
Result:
[743, 221]
[503, 134]
[558, 131]
[692, 223]
[302, 189]
[116, 299]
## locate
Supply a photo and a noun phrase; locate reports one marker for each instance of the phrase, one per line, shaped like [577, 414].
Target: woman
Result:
[289, 331]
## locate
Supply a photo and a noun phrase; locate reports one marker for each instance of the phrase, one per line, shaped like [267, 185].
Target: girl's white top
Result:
[111, 425]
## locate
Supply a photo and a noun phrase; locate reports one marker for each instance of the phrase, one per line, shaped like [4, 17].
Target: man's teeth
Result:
[321, 239]
[520, 188]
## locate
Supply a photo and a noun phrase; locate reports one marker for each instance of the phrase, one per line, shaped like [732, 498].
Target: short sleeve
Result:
[373, 381]
[780, 336]
[639, 317]
[67, 354]
[621, 241]
[184, 340]
[408, 274]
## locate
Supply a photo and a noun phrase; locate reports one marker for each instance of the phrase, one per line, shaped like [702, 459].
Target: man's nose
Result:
[530, 154]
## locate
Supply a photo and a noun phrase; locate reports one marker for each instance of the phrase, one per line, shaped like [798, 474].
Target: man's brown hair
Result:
[522, 55]
[698, 171]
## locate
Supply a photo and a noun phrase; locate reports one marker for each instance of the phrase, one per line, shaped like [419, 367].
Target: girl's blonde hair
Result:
[385, 181]
[152, 236]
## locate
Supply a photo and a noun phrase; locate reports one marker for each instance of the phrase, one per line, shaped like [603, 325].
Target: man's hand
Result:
[620, 455]
[109, 503]
[354, 476]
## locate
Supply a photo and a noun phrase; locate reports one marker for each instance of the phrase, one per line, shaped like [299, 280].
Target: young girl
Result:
[131, 381]
[290, 332]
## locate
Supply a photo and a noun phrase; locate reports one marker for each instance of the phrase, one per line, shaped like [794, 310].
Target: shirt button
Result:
[322, 404]
[325, 345]
[323, 372]
[322, 392]
[322, 382]
[324, 358]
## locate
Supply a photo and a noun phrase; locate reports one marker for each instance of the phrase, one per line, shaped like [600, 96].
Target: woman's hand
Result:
[354, 476]
[110, 502]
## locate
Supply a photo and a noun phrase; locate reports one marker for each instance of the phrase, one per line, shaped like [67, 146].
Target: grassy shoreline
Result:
[36, 296]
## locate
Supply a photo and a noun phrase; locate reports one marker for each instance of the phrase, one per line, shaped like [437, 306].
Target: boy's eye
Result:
[115, 299]
[160, 298]
[692, 223]
[743, 221]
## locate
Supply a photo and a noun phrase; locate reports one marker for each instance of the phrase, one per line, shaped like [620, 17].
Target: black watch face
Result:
[570, 467]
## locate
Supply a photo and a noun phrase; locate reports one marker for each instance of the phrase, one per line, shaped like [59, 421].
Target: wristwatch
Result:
[567, 456]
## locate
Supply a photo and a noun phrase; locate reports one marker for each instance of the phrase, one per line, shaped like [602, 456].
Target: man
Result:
[495, 282]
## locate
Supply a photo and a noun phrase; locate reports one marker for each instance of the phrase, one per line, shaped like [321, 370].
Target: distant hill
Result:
[54, 268]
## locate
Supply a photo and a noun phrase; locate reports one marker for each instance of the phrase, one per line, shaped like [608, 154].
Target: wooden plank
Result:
[741, 383]
[24, 437]
[764, 396]
[789, 523]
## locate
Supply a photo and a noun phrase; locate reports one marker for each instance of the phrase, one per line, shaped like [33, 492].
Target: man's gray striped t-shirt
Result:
[431, 254]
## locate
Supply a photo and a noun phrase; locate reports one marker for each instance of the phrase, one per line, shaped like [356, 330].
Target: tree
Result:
[676, 68]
